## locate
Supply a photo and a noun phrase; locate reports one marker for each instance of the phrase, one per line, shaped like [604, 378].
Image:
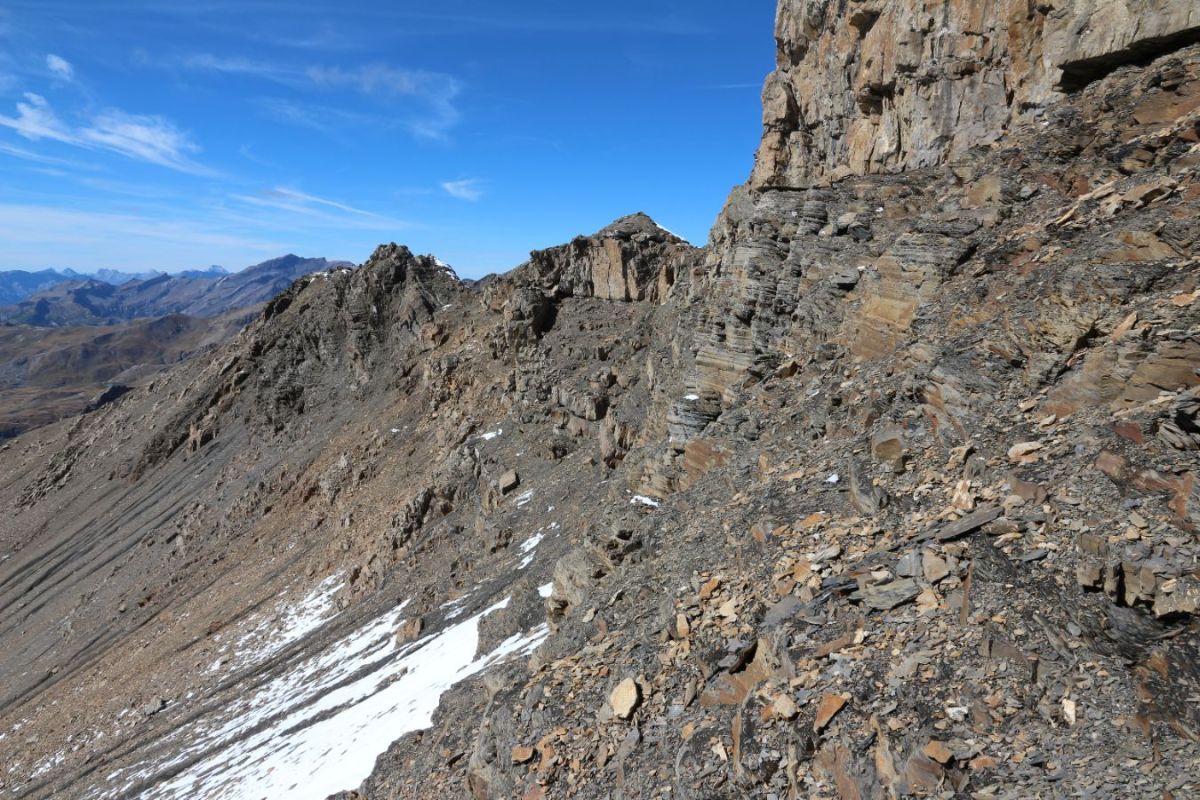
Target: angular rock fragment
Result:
[887, 596]
[967, 524]
[1183, 598]
[625, 698]
[887, 446]
[827, 709]
[508, 481]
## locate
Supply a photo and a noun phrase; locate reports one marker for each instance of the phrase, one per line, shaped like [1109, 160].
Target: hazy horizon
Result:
[128, 271]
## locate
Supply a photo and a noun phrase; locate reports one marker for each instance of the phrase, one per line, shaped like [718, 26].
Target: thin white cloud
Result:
[247, 152]
[135, 189]
[470, 189]
[241, 66]
[315, 208]
[141, 137]
[324, 37]
[38, 158]
[384, 81]
[332, 122]
[36, 120]
[301, 197]
[145, 138]
[570, 21]
[719, 87]
[59, 67]
[432, 95]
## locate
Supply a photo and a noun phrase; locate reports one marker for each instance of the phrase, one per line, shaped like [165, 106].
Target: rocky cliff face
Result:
[883, 86]
[889, 491]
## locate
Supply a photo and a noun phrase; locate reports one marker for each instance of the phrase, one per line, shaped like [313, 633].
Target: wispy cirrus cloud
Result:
[575, 20]
[235, 65]
[36, 120]
[726, 87]
[469, 189]
[40, 158]
[148, 138]
[294, 201]
[324, 37]
[60, 68]
[292, 198]
[432, 95]
[316, 117]
[436, 91]
[383, 81]
[141, 137]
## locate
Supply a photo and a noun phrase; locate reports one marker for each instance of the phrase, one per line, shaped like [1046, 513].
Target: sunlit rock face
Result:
[883, 86]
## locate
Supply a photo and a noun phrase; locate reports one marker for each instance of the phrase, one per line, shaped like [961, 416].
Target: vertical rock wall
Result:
[881, 86]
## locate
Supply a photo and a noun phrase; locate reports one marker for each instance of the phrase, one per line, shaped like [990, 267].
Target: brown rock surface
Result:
[884, 86]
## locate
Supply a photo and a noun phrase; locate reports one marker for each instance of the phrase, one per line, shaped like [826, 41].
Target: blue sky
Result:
[173, 135]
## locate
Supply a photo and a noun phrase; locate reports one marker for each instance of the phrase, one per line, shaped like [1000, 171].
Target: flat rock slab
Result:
[887, 596]
[971, 522]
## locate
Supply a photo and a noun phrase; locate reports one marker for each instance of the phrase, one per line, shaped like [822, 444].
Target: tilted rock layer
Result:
[890, 491]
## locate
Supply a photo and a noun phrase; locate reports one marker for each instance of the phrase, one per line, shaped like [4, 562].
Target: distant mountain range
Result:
[50, 373]
[71, 341]
[65, 298]
[116, 277]
[17, 284]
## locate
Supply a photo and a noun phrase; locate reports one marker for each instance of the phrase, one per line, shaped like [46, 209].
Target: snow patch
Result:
[672, 233]
[532, 542]
[290, 624]
[455, 608]
[528, 547]
[642, 500]
[317, 728]
[46, 765]
[446, 268]
[546, 589]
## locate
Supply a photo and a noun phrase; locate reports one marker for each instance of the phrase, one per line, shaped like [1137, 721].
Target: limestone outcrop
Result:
[632, 259]
[882, 86]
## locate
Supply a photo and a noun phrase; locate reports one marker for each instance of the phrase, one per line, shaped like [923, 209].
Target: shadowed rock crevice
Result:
[1076, 75]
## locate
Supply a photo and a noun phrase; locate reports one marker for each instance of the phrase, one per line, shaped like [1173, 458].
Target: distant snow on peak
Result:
[671, 233]
[444, 267]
